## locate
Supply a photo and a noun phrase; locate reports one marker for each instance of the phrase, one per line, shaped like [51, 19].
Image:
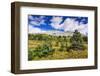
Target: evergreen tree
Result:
[76, 41]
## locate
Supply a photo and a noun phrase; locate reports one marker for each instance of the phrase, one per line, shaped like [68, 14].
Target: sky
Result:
[44, 23]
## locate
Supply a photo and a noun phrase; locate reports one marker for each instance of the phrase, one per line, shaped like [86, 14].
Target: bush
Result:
[30, 55]
[40, 51]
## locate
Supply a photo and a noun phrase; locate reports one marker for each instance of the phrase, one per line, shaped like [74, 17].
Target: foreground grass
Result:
[57, 54]
[64, 55]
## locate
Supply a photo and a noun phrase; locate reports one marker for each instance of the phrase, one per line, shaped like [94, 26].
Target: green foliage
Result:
[63, 46]
[30, 56]
[85, 39]
[77, 37]
[40, 51]
[76, 41]
[39, 37]
[44, 47]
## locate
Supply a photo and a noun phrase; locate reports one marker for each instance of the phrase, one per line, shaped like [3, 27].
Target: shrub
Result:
[30, 55]
[40, 51]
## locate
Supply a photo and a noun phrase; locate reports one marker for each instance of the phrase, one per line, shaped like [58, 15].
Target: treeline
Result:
[77, 35]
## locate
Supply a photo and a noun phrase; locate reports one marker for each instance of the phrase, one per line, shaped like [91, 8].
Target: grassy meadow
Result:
[50, 47]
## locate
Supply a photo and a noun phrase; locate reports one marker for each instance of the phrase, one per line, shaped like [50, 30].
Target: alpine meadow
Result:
[53, 37]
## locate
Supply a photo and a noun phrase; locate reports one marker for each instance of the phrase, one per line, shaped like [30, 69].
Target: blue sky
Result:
[43, 23]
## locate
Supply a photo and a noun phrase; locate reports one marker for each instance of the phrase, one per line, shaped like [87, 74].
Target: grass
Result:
[57, 54]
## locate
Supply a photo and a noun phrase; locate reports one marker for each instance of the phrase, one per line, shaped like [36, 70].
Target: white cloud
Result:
[33, 30]
[56, 22]
[30, 17]
[56, 19]
[72, 25]
[37, 21]
[84, 30]
[69, 24]
[34, 23]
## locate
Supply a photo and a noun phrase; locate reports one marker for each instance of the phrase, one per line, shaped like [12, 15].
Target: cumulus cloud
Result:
[36, 21]
[69, 24]
[84, 30]
[56, 22]
[72, 25]
[33, 30]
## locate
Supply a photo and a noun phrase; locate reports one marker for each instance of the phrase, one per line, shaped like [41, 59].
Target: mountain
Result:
[59, 33]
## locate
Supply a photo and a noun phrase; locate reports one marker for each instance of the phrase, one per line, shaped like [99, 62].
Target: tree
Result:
[85, 38]
[76, 41]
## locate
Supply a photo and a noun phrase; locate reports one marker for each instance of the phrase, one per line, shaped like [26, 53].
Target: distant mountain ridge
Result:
[57, 33]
